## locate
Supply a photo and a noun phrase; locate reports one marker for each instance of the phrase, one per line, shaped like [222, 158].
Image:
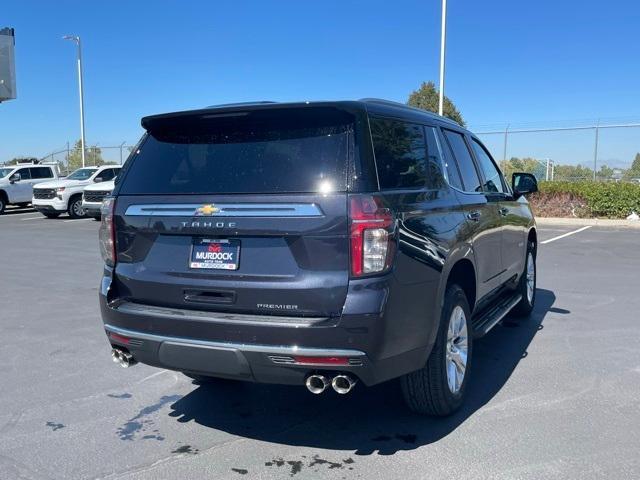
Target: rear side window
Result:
[41, 172]
[492, 178]
[453, 174]
[262, 151]
[464, 161]
[435, 178]
[401, 153]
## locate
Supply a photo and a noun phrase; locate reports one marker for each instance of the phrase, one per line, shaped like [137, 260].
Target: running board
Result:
[494, 314]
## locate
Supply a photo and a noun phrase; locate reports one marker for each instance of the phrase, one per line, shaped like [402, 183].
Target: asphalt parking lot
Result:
[555, 396]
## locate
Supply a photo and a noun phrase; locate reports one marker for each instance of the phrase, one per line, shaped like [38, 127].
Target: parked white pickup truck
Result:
[17, 181]
[65, 195]
[92, 198]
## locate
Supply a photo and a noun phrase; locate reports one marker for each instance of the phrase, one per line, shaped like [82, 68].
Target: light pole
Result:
[76, 39]
[443, 42]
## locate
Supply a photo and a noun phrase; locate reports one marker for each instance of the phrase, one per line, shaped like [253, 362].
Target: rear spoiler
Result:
[152, 122]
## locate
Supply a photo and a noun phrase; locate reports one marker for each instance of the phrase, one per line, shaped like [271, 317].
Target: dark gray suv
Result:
[317, 244]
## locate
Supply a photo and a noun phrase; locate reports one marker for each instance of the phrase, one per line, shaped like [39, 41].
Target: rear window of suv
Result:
[262, 151]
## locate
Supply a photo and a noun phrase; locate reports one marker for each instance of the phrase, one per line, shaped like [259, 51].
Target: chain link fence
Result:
[597, 151]
[594, 151]
[69, 158]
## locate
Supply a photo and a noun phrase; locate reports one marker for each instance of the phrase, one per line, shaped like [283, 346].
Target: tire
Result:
[75, 208]
[525, 306]
[3, 204]
[51, 214]
[97, 218]
[432, 390]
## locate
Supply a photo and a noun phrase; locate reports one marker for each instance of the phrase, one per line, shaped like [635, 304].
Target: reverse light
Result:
[107, 232]
[370, 239]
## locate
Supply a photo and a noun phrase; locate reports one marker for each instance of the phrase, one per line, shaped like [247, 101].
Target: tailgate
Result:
[284, 255]
[243, 212]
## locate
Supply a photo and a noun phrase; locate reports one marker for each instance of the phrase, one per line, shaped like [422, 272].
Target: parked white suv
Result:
[65, 195]
[17, 181]
[92, 198]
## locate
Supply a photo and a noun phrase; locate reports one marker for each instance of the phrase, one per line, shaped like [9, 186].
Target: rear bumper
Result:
[251, 362]
[381, 341]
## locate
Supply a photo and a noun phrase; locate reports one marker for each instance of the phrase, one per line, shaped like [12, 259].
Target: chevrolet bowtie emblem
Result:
[207, 210]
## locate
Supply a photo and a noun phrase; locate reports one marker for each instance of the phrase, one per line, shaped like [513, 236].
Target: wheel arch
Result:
[463, 274]
[73, 196]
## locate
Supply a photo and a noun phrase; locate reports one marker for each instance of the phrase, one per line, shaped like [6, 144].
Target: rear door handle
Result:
[504, 211]
[474, 216]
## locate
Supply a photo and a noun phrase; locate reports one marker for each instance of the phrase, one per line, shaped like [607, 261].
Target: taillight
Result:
[107, 233]
[370, 235]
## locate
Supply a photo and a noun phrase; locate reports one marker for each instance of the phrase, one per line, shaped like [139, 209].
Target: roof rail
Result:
[404, 105]
[239, 104]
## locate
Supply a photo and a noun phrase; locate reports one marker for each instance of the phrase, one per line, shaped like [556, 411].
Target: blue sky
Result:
[507, 62]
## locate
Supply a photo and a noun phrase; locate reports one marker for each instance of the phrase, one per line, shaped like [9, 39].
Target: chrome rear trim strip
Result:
[226, 210]
[243, 347]
[218, 317]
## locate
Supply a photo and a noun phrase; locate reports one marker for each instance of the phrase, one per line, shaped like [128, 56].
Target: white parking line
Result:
[10, 215]
[76, 220]
[565, 235]
[38, 217]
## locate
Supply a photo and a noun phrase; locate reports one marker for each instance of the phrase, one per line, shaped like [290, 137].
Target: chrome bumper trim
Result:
[243, 347]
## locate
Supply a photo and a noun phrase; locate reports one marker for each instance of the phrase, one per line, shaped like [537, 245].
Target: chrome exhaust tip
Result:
[115, 355]
[317, 384]
[343, 384]
[122, 358]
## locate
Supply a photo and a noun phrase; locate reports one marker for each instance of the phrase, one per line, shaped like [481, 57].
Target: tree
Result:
[634, 171]
[93, 156]
[605, 173]
[572, 172]
[426, 97]
[527, 165]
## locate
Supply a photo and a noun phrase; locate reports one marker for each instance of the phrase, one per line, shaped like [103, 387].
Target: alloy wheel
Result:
[77, 209]
[531, 277]
[457, 349]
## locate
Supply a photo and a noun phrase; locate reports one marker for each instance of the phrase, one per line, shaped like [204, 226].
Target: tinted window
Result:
[435, 178]
[24, 174]
[41, 172]
[401, 153]
[82, 174]
[492, 178]
[106, 174]
[464, 161]
[264, 151]
[450, 165]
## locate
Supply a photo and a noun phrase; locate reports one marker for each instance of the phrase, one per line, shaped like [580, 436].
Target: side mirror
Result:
[523, 183]
[97, 179]
[14, 178]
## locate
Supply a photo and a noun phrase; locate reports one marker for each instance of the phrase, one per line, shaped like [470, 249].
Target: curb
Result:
[596, 222]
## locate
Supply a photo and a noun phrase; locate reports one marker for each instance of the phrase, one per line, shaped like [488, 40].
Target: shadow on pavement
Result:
[369, 419]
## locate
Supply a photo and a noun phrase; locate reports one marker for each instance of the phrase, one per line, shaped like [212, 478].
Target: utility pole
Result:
[443, 41]
[595, 151]
[76, 39]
